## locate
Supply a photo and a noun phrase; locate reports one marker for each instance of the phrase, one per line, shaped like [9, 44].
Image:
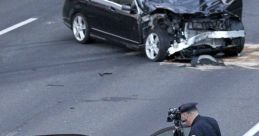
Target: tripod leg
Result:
[178, 133]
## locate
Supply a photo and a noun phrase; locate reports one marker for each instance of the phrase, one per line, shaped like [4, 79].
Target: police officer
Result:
[200, 125]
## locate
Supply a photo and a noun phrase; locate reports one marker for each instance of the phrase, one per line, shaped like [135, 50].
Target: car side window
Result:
[123, 2]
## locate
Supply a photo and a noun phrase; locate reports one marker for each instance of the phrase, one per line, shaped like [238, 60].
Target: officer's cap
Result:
[187, 107]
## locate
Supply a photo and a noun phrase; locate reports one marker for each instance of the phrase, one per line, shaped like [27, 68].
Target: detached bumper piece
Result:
[203, 36]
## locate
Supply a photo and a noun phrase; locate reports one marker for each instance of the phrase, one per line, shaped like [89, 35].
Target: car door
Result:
[95, 12]
[122, 24]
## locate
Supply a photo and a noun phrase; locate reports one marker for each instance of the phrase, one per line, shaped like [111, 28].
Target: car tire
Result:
[157, 44]
[80, 28]
[238, 43]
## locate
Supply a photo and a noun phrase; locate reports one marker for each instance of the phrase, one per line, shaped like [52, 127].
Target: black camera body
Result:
[174, 115]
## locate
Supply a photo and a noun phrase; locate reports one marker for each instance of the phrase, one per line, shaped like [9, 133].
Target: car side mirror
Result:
[130, 9]
[126, 8]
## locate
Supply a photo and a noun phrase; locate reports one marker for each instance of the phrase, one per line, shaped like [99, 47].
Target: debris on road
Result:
[206, 60]
[104, 74]
[52, 85]
[249, 59]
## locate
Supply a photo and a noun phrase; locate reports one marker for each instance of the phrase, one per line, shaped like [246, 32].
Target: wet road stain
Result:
[248, 59]
[112, 99]
[117, 99]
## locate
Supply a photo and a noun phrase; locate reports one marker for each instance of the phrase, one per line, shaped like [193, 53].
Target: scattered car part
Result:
[104, 74]
[206, 60]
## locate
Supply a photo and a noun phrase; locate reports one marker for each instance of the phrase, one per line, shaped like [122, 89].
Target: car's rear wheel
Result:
[238, 43]
[157, 44]
[81, 28]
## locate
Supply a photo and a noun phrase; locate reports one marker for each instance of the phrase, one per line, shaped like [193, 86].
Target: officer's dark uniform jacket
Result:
[204, 126]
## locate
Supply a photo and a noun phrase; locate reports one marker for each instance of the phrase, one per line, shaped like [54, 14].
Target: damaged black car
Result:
[178, 28]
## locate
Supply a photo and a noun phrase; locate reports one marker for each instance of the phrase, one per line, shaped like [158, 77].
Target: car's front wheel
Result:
[81, 28]
[157, 44]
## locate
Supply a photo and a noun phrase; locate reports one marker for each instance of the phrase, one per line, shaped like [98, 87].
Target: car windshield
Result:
[176, 2]
[185, 5]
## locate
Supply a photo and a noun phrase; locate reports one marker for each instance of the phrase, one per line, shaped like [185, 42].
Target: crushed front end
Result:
[208, 26]
[211, 34]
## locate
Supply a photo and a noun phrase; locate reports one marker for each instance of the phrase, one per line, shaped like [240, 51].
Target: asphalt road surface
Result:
[49, 84]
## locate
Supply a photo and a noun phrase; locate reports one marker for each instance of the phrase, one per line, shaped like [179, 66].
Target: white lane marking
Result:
[253, 130]
[17, 26]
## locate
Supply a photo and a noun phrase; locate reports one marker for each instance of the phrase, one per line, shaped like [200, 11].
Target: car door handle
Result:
[112, 9]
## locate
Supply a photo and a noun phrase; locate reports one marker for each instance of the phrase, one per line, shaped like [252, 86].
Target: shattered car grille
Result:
[210, 25]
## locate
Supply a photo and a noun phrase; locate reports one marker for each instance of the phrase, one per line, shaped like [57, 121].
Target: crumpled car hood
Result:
[206, 7]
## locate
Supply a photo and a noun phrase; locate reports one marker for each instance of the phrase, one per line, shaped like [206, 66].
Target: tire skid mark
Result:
[78, 61]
